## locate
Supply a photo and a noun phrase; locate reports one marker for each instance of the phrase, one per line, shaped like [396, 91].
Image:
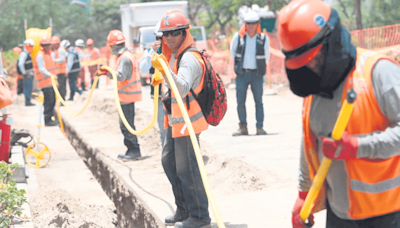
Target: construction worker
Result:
[25, 67]
[178, 156]
[73, 68]
[45, 68]
[79, 43]
[322, 65]
[250, 51]
[146, 67]
[94, 54]
[20, 77]
[60, 58]
[129, 90]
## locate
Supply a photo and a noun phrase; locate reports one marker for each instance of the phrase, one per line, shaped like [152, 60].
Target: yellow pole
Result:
[195, 143]
[337, 132]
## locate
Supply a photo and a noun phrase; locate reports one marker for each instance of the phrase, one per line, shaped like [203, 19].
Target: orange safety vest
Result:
[94, 53]
[50, 65]
[130, 90]
[199, 123]
[61, 67]
[373, 188]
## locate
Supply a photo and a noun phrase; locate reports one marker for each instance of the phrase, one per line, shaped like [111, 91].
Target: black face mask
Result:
[339, 60]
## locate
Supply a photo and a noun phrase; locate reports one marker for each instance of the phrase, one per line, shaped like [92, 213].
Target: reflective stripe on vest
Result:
[260, 55]
[374, 184]
[44, 81]
[76, 66]
[130, 90]
[28, 62]
[61, 67]
[179, 128]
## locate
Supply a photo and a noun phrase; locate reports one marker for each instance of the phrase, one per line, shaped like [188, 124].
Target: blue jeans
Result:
[72, 84]
[391, 220]
[160, 121]
[256, 83]
[27, 82]
[180, 165]
[130, 140]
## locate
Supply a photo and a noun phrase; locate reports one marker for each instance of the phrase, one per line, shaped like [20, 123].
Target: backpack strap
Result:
[190, 48]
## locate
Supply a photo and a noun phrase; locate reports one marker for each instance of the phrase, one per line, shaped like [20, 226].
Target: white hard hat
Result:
[157, 32]
[251, 17]
[79, 43]
[29, 42]
[65, 43]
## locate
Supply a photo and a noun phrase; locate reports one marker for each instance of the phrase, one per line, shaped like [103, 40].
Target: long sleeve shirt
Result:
[42, 66]
[61, 55]
[383, 144]
[21, 63]
[249, 61]
[145, 61]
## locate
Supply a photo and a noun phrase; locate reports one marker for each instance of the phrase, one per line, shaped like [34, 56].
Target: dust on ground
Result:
[57, 208]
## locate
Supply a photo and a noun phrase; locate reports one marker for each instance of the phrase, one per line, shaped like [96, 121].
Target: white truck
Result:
[139, 21]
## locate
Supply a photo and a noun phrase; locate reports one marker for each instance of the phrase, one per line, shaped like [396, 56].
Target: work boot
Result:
[130, 155]
[261, 131]
[179, 216]
[51, 123]
[29, 103]
[194, 223]
[241, 131]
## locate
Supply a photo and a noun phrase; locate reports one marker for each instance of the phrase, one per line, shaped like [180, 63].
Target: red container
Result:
[5, 134]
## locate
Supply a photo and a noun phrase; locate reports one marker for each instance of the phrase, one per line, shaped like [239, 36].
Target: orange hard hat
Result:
[173, 20]
[89, 41]
[115, 37]
[17, 50]
[45, 41]
[298, 23]
[55, 40]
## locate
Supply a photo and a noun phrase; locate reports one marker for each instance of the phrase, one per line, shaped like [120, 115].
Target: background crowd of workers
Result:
[361, 188]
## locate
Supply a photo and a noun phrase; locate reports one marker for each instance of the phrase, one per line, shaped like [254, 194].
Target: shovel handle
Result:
[337, 132]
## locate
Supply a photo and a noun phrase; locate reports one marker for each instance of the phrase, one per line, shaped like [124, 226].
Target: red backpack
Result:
[212, 98]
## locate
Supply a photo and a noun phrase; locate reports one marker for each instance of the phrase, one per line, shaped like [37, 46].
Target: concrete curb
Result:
[132, 211]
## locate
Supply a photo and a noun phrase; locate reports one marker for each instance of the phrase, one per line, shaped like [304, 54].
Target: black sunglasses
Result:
[172, 33]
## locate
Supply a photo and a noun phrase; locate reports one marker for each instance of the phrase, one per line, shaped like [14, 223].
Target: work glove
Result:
[156, 79]
[296, 220]
[157, 65]
[345, 148]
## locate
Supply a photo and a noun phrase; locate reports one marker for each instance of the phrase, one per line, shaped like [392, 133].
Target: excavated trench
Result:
[131, 210]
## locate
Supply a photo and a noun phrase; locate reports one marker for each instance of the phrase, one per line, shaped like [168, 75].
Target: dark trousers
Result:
[130, 140]
[49, 102]
[180, 165]
[384, 221]
[27, 82]
[72, 84]
[62, 85]
[256, 83]
[20, 86]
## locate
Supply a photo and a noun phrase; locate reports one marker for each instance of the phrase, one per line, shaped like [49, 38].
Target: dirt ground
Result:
[63, 193]
[254, 178]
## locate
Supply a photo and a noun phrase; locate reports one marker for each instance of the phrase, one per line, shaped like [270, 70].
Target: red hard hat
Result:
[173, 20]
[115, 37]
[298, 23]
[44, 41]
[55, 40]
[17, 50]
[89, 41]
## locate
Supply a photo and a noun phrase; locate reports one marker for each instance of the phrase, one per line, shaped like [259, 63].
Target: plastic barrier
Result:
[376, 38]
[36, 34]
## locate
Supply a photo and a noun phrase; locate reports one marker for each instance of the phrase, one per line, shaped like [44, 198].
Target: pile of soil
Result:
[57, 208]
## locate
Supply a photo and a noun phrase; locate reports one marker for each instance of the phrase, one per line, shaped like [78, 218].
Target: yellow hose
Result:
[195, 143]
[58, 95]
[118, 104]
[337, 132]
